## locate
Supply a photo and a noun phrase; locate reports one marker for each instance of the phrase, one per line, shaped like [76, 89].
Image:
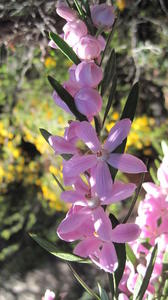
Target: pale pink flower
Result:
[88, 74]
[66, 12]
[88, 48]
[122, 296]
[74, 31]
[49, 295]
[103, 16]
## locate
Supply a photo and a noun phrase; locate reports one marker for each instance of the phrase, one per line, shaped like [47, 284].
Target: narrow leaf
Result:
[110, 99]
[134, 199]
[121, 254]
[144, 285]
[109, 72]
[130, 255]
[83, 284]
[108, 41]
[45, 134]
[67, 98]
[154, 176]
[54, 251]
[59, 183]
[65, 48]
[102, 293]
[138, 284]
[79, 8]
[131, 103]
[87, 7]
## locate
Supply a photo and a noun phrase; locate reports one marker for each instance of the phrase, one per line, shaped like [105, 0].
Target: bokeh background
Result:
[29, 195]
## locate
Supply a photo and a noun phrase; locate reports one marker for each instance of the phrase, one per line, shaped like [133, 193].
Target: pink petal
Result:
[61, 146]
[87, 247]
[103, 180]
[126, 163]
[58, 101]
[74, 197]
[108, 258]
[117, 134]
[88, 135]
[102, 224]
[81, 186]
[76, 165]
[88, 102]
[120, 191]
[123, 233]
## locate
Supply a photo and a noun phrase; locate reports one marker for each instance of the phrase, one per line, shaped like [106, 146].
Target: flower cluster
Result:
[87, 159]
[153, 221]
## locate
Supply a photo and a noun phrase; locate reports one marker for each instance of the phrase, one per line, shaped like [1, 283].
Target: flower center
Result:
[93, 202]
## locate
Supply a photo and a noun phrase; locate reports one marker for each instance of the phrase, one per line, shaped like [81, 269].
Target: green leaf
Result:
[143, 287]
[165, 289]
[138, 284]
[45, 134]
[54, 251]
[135, 198]
[87, 7]
[130, 255]
[83, 284]
[67, 98]
[154, 176]
[108, 41]
[109, 72]
[102, 293]
[65, 48]
[131, 103]
[79, 8]
[121, 254]
[110, 99]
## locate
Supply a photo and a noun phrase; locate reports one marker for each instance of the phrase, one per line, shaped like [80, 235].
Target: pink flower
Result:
[102, 15]
[88, 48]
[88, 102]
[94, 230]
[66, 12]
[101, 156]
[49, 295]
[88, 74]
[73, 31]
[85, 194]
[66, 144]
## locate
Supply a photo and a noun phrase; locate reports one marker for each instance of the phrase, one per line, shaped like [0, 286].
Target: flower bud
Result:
[66, 12]
[49, 295]
[88, 48]
[102, 15]
[74, 31]
[88, 102]
[88, 74]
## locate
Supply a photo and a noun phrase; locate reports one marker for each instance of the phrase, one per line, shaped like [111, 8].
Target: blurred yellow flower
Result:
[121, 4]
[50, 62]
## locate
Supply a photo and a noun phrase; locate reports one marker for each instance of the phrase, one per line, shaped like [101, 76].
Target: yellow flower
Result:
[121, 4]
[109, 126]
[50, 62]
[115, 116]
[2, 173]
[53, 170]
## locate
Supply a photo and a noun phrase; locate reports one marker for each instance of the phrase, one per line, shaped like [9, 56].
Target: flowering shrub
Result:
[90, 162]
[153, 221]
